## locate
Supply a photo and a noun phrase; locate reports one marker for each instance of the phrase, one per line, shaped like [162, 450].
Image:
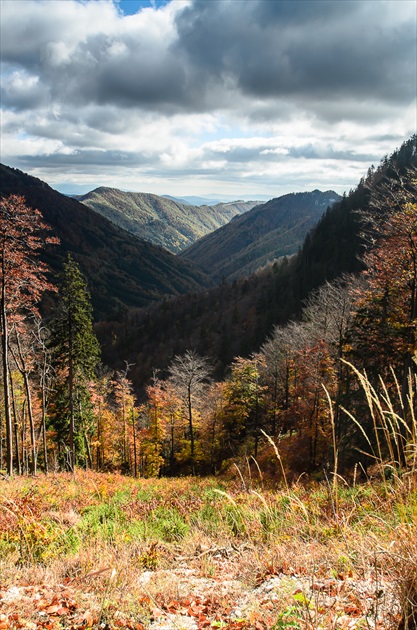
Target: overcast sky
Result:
[240, 98]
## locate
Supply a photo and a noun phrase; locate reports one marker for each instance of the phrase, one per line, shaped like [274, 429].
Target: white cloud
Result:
[200, 97]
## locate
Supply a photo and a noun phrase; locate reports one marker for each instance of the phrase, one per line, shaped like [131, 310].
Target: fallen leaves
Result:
[341, 602]
[41, 608]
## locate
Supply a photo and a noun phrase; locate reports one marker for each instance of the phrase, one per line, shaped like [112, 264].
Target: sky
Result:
[240, 99]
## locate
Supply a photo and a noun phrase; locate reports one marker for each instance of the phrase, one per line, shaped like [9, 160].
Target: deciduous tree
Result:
[189, 374]
[23, 234]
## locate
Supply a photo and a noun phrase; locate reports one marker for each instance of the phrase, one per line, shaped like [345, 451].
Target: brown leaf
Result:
[52, 610]
[88, 619]
[352, 610]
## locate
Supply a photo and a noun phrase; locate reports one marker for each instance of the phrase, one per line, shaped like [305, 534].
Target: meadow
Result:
[97, 550]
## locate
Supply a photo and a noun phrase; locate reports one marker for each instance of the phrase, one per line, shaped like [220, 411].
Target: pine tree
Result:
[76, 356]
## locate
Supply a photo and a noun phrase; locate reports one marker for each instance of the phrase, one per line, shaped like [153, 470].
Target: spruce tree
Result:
[76, 356]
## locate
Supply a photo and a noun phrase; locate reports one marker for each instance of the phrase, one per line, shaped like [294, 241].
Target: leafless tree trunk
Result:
[188, 374]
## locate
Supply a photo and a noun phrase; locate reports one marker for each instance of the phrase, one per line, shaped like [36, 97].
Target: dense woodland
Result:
[267, 232]
[267, 364]
[166, 222]
[122, 270]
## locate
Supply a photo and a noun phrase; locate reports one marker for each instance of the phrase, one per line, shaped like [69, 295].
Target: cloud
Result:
[185, 89]
[82, 159]
[301, 50]
[22, 91]
[204, 55]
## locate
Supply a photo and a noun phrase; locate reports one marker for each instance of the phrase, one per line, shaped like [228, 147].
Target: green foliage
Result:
[235, 518]
[44, 542]
[75, 356]
[166, 222]
[167, 525]
[286, 620]
[242, 407]
[208, 519]
[105, 521]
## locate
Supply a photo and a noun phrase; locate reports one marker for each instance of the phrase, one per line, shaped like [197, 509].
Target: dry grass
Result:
[104, 551]
[95, 550]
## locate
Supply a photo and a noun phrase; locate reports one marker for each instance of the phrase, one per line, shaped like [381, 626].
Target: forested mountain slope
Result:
[160, 220]
[122, 270]
[235, 318]
[265, 233]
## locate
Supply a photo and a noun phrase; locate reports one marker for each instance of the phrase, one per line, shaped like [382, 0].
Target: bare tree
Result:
[189, 374]
[279, 352]
[328, 311]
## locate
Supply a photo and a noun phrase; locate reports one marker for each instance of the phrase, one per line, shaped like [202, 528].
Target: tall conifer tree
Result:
[76, 355]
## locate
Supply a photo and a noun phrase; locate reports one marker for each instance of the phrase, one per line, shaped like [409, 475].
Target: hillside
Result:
[163, 221]
[235, 318]
[265, 233]
[122, 271]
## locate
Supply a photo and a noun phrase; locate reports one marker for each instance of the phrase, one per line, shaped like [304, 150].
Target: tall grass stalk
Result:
[388, 423]
[396, 428]
[258, 467]
[335, 455]
[271, 441]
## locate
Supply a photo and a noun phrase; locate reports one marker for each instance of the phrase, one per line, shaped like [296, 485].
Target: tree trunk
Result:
[1, 440]
[6, 388]
[98, 447]
[172, 453]
[45, 450]
[191, 428]
[88, 449]
[15, 427]
[135, 463]
[71, 396]
[24, 373]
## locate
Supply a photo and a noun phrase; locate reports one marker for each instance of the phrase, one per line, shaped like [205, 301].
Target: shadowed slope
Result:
[122, 270]
[265, 233]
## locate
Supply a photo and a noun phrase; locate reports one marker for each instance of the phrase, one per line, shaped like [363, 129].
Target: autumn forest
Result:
[182, 452]
[299, 385]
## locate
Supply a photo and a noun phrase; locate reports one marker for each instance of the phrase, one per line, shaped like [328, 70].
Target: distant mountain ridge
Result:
[210, 200]
[235, 318]
[267, 232]
[122, 270]
[161, 220]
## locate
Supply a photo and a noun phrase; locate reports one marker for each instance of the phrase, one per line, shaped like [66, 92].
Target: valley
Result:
[208, 315]
[162, 221]
[248, 436]
[260, 236]
[123, 271]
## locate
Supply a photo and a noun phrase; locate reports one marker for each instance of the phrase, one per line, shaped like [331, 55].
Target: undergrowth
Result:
[106, 551]
[104, 524]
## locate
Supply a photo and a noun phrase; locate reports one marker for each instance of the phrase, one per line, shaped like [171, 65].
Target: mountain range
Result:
[122, 270]
[117, 237]
[193, 200]
[265, 233]
[151, 305]
[234, 318]
[164, 221]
